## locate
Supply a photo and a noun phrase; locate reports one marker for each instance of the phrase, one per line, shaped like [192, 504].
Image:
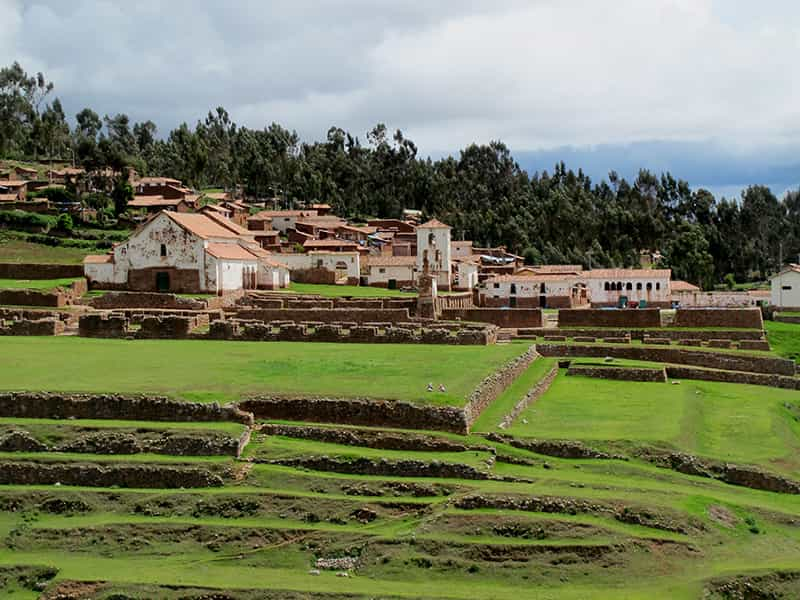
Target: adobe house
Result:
[534, 290]
[608, 287]
[393, 272]
[785, 287]
[16, 188]
[277, 220]
[155, 204]
[319, 266]
[184, 253]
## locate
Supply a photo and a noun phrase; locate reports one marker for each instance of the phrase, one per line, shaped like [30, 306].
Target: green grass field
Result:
[26, 252]
[784, 338]
[740, 423]
[222, 371]
[36, 284]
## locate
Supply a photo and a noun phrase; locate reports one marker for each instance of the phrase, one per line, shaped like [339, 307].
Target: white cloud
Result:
[536, 74]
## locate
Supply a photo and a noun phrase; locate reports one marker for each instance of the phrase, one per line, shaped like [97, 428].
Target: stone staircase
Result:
[504, 336]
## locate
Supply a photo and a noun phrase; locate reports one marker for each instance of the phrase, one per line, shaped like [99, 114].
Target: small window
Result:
[629, 286]
[431, 238]
[786, 287]
[607, 286]
[658, 285]
[513, 288]
[163, 249]
[649, 286]
[381, 270]
[639, 286]
[496, 285]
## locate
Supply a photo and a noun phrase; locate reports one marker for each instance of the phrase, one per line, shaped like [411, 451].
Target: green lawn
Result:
[26, 252]
[740, 423]
[207, 371]
[338, 291]
[784, 338]
[36, 284]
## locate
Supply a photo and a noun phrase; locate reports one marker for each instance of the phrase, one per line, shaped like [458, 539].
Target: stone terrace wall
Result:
[744, 318]
[787, 319]
[111, 300]
[102, 326]
[620, 373]
[170, 326]
[512, 318]
[357, 411]
[590, 317]
[39, 271]
[32, 405]
[778, 381]
[639, 334]
[48, 326]
[495, 384]
[729, 361]
[58, 297]
[107, 475]
[285, 300]
[321, 315]
[386, 333]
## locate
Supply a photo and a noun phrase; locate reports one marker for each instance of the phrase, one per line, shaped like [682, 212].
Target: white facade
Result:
[345, 264]
[382, 271]
[433, 241]
[700, 299]
[461, 249]
[608, 286]
[466, 275]
[227, 275]
[785, 288]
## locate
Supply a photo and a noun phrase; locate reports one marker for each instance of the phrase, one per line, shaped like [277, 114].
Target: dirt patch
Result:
[720, 514]
[26, 578]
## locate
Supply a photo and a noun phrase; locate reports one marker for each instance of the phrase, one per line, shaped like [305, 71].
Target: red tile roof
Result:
[434, 224]
[230, 251]
[98, 259]
[201, 225]
[628, 274]
[683, 286]
[390, 261]
[329, 244]
[151, 201]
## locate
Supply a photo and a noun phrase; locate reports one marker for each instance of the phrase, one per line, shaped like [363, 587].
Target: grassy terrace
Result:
[36, 284]
[223, 371]
[738, 423]
[12, 250]
[784, 338]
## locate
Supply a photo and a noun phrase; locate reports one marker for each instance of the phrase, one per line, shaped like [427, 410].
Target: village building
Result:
[216, 208]
[465, 273]
[461, 249]
[277, 220]
[322, 267]
[355, 233]
[14, 187]
[331, 245]
[534, 290]
[184, 253]
[433, 245]
[785, 288]
[25, 173]
[392, 272]
[618, 287]
[155, 204]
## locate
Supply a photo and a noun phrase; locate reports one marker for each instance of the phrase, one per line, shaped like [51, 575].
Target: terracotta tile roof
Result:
[321, 206]
[762, 293]
[229, 251]
[683, 286]
[230, 225]
[390, 261]
[150, 201]
[98, 259]
[269, 214]
[201, 225]
[157, 181]
[362, 229]
[12, 183]
[434, 224]
[215, 208]
[217, 195]
[329, 244]
[628, 274]
[555, 269]
[522, 277]
[790, 268]
[8, 197]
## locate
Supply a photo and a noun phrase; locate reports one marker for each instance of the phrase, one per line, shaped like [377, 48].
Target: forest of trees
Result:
[550, 217]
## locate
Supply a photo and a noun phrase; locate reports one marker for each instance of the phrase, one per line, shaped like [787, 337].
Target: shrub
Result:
[64, 222]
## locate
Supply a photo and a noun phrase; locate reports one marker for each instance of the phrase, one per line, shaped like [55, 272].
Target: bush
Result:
[54, 194]
[22, 219]
[64, 222]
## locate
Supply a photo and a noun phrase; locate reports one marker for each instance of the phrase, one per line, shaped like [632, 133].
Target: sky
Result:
[705, 88]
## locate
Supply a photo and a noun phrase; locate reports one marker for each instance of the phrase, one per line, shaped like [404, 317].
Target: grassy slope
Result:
[746, 424]
[784, 338]
[36, 284]
[26, 252]
[198, 370]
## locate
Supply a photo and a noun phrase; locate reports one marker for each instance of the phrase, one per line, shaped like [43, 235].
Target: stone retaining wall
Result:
[540, 388]
[712, 360]
[786, 319]
[322, 315]
[357, 411]
[39, 271]
[620, 373]
[106, 475]
[511, 318]
[590, 317]
[41, 327]
[170, 327]
[383, 333]
[495, 384]
[111, 300]
[744, 318]
[778, 381]
[102, 326]
[44, 405]
[640, 334]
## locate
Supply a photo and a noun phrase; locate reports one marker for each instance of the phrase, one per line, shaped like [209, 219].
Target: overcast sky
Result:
[709, 82]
